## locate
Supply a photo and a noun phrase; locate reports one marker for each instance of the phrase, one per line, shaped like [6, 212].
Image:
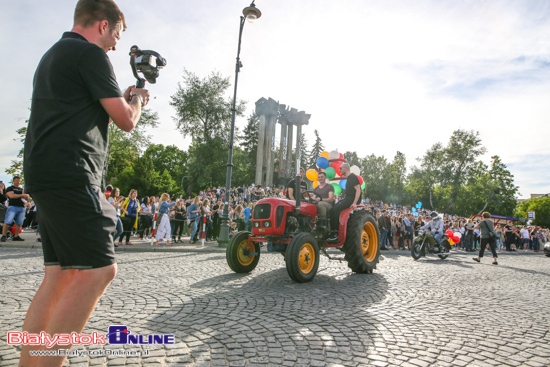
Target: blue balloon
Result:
[413, 209]
[419, 204]
[415, 214]
[343, 183]
[323, 163]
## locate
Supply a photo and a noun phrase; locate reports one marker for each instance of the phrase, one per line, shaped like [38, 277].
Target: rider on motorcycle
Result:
[435, 226]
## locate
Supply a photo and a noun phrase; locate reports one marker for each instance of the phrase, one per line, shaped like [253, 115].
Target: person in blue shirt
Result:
[164, 230]
[247, 217]
[193, 213]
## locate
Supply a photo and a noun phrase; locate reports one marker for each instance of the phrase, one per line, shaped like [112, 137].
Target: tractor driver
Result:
[292, 185]
[351, 199]
[324, 198]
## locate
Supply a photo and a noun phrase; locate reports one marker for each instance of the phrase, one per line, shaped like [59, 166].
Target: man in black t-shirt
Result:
[291, 187]
[75, 95]
[351, 199]
[16, 209]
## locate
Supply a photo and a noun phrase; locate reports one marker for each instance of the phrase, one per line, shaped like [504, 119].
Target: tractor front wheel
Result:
[239, 259]
[302, 258]
[361, 247]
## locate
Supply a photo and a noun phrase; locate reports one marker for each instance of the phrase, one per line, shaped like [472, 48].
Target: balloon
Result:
[449, 233]
[363, 186]
[360, 180]
[356, 170]
[324, 155]
[311, 175]
[415, 214]
[419, 204]
[337, 188]
[341, 156]
[333, 155]
[330, 172]
[315, 184]
[458, 234]
[414, 210]
[343, 183]
[451, 242]
[456, 239]
[322, 162]
[336, 165]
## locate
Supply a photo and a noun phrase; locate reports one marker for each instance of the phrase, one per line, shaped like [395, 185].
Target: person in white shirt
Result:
[525, 237]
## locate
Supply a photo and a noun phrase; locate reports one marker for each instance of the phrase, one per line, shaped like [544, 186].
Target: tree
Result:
[541, 207]
[204, 113]
[430, 172]
[16, 167]
[169, 159]
[374, 171]
[352, 158]
[316, 150]
[245, 159]
[397, 175]
[460, 157]
[124, 148]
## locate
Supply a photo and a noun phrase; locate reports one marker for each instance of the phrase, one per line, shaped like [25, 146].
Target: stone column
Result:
[260, 153]
[270, 164]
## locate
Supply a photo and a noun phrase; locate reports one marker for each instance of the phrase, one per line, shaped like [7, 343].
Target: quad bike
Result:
[293, 229]
[425, 242]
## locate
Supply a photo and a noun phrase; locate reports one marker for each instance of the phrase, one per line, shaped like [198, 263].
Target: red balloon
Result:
[456, 239]
[450, 233]
[341, 156]
[360, 180]
[336, 165]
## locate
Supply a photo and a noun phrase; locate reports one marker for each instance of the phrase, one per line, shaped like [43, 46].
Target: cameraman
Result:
[75, 96]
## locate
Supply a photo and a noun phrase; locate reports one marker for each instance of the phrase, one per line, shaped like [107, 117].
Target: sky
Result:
[377, 76]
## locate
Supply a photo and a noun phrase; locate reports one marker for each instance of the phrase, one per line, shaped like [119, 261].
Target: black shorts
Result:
[76, 227]
[408, 236]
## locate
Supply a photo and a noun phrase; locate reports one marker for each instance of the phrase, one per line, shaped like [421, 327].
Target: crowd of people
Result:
[201, 216]
[194, 217]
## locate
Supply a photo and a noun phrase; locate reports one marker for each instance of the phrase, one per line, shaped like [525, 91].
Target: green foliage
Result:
[244, 156]
[17, 164]
[541, 207]
[204, 113]
[316, 150]
[125, 148]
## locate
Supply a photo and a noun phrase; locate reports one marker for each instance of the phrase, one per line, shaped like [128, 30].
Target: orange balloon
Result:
[324, 154]
[315, 184]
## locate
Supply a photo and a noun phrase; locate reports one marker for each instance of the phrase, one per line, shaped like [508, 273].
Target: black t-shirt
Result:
[292, 183]
[16, 191]
[350, 187]
[67, 136]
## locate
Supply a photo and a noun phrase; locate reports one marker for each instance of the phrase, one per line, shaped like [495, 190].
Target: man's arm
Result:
[357, 194]
[330, 198]
[291, 193]
[125, 112]
[11, 195]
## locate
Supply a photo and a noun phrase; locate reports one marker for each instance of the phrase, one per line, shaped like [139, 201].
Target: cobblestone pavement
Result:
[408, 313]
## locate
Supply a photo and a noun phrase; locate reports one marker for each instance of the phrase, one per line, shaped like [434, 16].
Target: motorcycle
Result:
[425, 243]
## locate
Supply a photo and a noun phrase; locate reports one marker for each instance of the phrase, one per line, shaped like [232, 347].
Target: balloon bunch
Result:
[453, 237]
[330, 164]
[418, 206]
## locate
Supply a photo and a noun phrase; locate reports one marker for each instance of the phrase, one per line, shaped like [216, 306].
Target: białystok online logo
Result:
[118, 334]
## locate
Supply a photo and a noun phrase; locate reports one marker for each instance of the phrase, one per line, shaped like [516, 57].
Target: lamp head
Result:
[252, 13]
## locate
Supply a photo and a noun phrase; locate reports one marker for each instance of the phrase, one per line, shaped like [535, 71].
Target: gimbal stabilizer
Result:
[148, 63]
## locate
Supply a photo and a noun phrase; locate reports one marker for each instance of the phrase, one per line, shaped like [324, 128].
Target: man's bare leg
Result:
[72, 308]
[40, 310]
[16, 229]
[4, 229]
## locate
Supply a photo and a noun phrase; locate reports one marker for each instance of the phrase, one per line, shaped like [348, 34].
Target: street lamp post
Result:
[250, 13]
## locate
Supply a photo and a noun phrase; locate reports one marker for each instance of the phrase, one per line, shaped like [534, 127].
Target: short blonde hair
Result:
[164, 197]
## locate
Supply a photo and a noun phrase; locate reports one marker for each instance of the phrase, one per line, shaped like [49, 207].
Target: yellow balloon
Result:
[324, 154]
[315, 184]
[311, 175]
[451, 241]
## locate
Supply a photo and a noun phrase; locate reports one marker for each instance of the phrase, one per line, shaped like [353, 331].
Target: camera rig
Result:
[148, 63]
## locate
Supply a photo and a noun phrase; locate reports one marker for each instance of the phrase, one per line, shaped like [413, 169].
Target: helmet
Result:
[434, 215]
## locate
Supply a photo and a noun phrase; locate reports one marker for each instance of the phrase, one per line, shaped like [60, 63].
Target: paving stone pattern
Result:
[408, 313]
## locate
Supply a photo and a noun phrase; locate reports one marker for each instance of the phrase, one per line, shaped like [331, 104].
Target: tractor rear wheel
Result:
[362, 250]
[238, 258]
[302, 258]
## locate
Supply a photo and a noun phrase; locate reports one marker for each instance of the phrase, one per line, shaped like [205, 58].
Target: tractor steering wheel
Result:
[309, 199]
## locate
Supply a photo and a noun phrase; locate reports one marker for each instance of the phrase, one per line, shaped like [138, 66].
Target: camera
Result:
[148, 63]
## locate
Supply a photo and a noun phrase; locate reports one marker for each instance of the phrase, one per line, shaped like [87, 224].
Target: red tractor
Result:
[291, 228]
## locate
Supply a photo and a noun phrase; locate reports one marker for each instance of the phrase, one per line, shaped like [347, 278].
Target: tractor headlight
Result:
[256, 224]
[267, 224]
